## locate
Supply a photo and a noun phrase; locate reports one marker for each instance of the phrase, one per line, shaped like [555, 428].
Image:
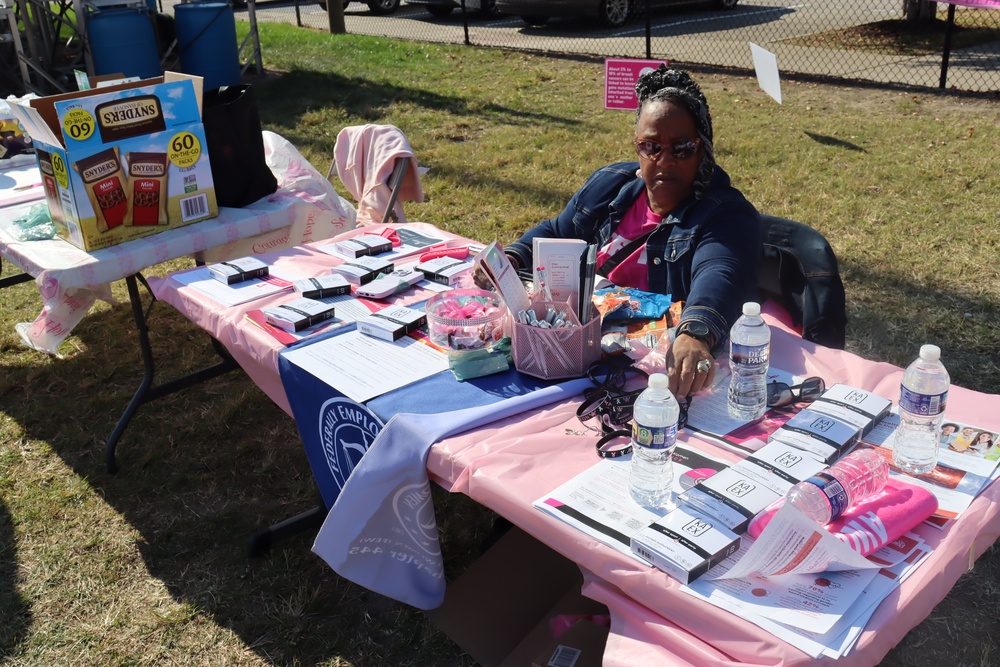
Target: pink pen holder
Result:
[560, 352]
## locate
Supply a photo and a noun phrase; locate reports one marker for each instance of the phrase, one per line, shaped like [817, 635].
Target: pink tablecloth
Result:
[253, 348]
[509, 464]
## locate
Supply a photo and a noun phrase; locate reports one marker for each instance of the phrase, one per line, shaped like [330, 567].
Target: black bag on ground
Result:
[235, 146]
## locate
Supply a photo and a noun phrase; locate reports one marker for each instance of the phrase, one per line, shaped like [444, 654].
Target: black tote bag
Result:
[235, 146]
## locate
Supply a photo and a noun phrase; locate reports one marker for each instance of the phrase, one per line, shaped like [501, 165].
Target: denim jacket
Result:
[706, 252]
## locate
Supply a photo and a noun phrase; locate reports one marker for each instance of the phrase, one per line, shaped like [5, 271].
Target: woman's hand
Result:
[683, 358]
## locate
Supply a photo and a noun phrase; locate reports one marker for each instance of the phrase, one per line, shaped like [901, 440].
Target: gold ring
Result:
[704, 366]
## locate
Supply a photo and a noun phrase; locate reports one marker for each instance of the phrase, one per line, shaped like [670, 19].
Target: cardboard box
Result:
[580, 646]
[499, 609]
[126, 161]
[685, 544]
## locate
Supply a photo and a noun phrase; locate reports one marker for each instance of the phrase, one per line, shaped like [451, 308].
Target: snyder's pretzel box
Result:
[123, 161]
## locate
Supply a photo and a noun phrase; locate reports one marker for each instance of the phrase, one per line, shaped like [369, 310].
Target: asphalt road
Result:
[759, 21]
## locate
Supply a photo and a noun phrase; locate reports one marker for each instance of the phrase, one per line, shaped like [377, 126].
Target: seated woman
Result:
[702, 237]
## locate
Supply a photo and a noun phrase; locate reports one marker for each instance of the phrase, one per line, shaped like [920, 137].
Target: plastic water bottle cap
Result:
[930, 352]
[658, 381]
[751, 309]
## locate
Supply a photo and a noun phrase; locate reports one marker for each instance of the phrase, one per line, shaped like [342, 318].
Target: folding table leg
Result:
[146, 391]
[10, 281]
[262, 541]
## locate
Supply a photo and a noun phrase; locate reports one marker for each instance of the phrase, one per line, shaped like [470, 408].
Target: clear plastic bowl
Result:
[449, 329]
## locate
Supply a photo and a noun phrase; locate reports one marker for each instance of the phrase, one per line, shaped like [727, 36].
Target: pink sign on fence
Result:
[620, 75]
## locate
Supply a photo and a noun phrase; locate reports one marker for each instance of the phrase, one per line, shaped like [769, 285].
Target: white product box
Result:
[444, 270]
[363, 270]
[561, 259]
[237, 270]
[820, 434]
[369, 244]
[736, 494]
[321, 287]
[391, 283]
[854, 406]
[298, 315]
[685, 544]
[392, 323]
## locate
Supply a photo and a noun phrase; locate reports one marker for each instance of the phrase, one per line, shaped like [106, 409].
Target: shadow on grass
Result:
[284, 99]
[833, 141]
[15, 610]
[200, 472]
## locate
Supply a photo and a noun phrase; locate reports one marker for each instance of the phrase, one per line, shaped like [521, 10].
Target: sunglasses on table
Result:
[683, 149]
[780, 394]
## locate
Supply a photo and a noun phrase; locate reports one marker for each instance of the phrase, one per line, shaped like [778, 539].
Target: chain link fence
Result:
[909, 42]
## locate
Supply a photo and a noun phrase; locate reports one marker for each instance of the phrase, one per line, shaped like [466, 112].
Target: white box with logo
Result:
[685, 544]
[736, 494]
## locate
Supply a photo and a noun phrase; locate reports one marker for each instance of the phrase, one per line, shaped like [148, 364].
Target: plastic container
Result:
[923, 395]
[123, 40]
[826, 495]
[749, 358]
[206, 41]
[465, 319]
[654, 435]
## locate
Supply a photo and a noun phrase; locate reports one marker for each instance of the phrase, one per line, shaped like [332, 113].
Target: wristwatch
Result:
[697, 330]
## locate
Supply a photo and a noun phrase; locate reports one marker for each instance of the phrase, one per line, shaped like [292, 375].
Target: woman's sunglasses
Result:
[681, 150]
[780, 394]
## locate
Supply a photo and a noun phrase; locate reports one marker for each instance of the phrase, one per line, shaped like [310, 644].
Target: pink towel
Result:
[870, 525]
[365, 156]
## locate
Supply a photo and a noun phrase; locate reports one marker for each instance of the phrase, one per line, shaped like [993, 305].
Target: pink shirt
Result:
[631, 272]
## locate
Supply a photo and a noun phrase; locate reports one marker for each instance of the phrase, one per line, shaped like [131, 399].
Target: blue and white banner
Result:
[381, 532]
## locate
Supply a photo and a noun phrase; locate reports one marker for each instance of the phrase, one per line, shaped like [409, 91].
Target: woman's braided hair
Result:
[674, 85]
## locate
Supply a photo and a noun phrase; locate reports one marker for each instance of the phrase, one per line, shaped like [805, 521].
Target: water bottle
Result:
[826, 495]
[749, 356]
[923, 394]
[654, 434]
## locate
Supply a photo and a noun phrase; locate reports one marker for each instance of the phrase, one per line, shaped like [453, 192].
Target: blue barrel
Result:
[122, 39]
[206, 39]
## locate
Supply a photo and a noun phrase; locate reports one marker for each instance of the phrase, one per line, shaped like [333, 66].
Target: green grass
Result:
[148, 567]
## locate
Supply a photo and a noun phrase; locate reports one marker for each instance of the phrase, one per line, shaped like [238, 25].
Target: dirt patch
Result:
[908, 38]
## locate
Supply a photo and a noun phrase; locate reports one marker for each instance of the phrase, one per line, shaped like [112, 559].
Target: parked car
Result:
[379, 7]
[611, 13]
[486, 8]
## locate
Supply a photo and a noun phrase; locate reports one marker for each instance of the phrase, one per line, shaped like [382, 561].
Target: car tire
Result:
[488, 9]
[535, 21]
[383, 7]
[727, 4]
[614, 13]
[439, 11]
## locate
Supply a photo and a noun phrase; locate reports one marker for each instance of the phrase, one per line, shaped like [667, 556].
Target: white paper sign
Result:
[765, 64]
